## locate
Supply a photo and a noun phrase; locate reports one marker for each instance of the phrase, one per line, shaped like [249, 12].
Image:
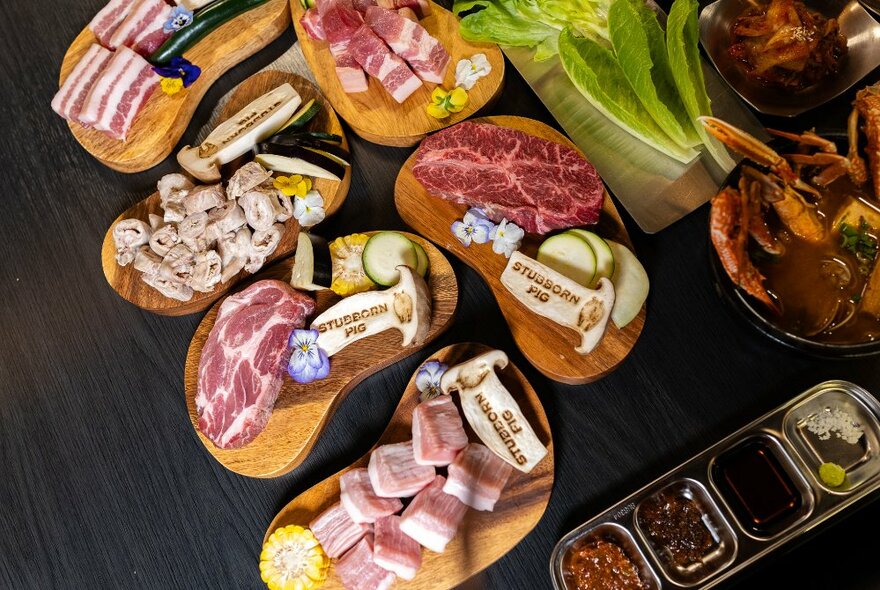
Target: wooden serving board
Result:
[126, 281]
[302, 411]
[483, 537]
[547, 345]
[163, 119]
[377, 117]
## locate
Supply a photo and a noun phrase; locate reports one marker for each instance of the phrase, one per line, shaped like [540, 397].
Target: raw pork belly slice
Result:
[118, 93]
[438, 434]
[425, 54]
[311, 24]
[378, 61]
[244, 360]
[540, 185]
[339, 22]
[358, 571]
[336, 531]
[109, 18]
[395, 551]
[422, 8]
[408, 13]
[433, 516]
[362, 5]
[70, 97]
[477, 476]
[357, 496]
[394, 472]
[142, 25]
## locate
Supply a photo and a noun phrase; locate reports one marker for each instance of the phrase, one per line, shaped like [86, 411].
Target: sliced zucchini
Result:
[306, 113]
[569, 255]
[384, 252]
[316, 136]
[311, 264]
[630, 284]
[328, 150]
[422, 263]
[604, 255]
[306, 163]
[338, 155]
[346, 255]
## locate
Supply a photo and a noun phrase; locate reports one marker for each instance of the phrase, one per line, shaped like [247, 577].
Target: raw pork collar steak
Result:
[244, 360]
[540, 185]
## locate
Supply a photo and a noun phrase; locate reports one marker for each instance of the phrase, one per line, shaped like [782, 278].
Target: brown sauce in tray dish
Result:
[601, 564]
[675, 522]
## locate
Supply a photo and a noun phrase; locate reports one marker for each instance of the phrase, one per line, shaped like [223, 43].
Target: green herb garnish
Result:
[860, 242]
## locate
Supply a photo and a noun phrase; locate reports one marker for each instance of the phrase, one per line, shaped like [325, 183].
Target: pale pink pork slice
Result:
[395, 551]
[336, 531]
[394, 472]
[379, 61]
[244, 361]
[339, 22]
[477, 477]
[362, 5]
[358, 571]
[108, 19]
[425, 55]
[421, 8]
[311, 24]
[153, 34]
[438, 434]
[360, 500]
[141, 19]
[432, 518]
[70, 97]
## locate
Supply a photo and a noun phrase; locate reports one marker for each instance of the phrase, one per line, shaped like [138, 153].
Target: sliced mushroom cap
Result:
[248, 177]
[173, 188]
[259, 208]
[128, 236]
[147, 261]
[203, 198]
[177, 265]
[206, 271]
[168, 288]
[164, 238]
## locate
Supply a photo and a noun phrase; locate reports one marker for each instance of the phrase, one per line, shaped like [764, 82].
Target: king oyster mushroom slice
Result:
[203, 198]
[249, 176]
[147, 261]
[192, 231]
[173, 188]
[128, 236]
[168, 288]
[177, 266]
[226, 218]
[174, 212]
[259, 209]
[206, 273]
[164, 238]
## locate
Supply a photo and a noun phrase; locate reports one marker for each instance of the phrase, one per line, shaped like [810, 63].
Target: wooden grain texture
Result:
[548, 345]
[163, 118]
[377, 117]
[302, 411]
[483, 537]
[127, 282]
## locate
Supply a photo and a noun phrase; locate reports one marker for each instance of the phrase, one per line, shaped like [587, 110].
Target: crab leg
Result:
[799, 216]
[868, 106]
[807, 138]
[758, 228]
[858, 171]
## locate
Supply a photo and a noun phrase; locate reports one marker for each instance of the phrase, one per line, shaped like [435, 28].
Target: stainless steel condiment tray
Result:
[792, 441]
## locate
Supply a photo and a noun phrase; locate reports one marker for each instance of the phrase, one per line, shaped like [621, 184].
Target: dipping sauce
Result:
[600, 564]
[757, 487]
[674, 522]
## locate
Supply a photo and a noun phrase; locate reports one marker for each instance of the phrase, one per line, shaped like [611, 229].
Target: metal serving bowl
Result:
[863, 55]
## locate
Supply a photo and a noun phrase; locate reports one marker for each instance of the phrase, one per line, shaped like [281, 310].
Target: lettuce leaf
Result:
[499, 21]
[682, 36]
[596, 73]
[640, 47]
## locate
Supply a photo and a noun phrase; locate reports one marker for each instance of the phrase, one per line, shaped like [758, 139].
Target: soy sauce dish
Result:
[786, 474]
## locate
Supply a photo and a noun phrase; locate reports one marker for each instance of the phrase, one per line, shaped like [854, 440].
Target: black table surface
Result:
[104, 483]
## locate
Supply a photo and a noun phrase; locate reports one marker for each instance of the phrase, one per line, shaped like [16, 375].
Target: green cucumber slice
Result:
[384, 252]
[631, 285]
[604, 255]
[569, 255]
[306, 113]
[422, 262]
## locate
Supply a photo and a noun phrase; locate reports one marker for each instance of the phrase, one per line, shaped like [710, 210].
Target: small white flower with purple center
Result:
[428, 380]
[506, 238]
[474, 227]
[307, 362]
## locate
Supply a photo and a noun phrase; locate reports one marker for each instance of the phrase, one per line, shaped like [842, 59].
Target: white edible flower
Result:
[309, 210]
[474, 227]
[506, 238]
[468, 71]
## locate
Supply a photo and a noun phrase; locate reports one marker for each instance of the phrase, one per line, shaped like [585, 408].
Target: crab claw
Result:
[807, 138]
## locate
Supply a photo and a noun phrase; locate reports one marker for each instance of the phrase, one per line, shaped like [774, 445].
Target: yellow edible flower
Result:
[293, 186]
[443, 103]
[293, 559]
[171, 85]
[457, 99]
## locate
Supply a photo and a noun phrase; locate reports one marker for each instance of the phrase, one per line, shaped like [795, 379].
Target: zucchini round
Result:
[422, 263]
[569, 255]
[384, 252]
[604, 255]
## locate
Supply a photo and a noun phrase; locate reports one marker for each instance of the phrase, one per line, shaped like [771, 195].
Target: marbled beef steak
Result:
[244, 360]
[540, 185]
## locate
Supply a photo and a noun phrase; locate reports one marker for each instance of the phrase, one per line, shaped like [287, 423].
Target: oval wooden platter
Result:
[302, 411]
[377, 117]
[483, 537]
[126, 281]
[163, 118]
[547, 345]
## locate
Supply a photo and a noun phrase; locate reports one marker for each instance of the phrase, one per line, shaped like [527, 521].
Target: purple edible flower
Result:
[180, 17]
[307, 361]
[180, 67]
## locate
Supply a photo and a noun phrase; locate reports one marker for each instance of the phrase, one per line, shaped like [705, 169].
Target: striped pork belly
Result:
[360, 500]
[358, 571]
[477, 477]
[432, 518]
[141, 24]
[70, 97]
[339, 22]
[153, 35]
[422, 8]
[378, 61]
[109, 18]
[310, 21]
[426, 55]
[118, 93]
[336, 531]
[362, 5]
[438, 434]
[395, 551]
[394, 472]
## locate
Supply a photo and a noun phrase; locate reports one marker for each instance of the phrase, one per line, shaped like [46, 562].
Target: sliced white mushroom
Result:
[147, 261]
[174, 212]
[168, 288]
[248, 177]
[206, 271]
[259, 208]
[164, 238]
[173, 188]
[128, 236]
[177, 266]
[192, 231]
[203, 198]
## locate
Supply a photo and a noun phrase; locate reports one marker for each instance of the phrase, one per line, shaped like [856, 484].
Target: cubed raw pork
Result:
[425, 55]
[394, 472]
[432, 518]
[438, 434]
[358, 571]
[395, 551]
[381, 63]
[359, 499]
[477, 477]
[336, 531]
